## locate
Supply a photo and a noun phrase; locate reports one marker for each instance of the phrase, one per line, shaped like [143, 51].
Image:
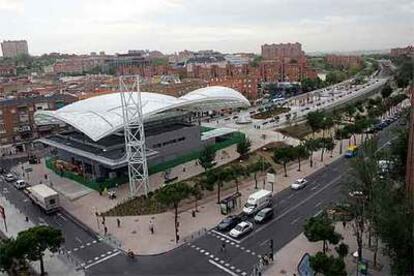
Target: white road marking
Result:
[248, 250]
[318, 204]
[94, 241]
[227, 264]
[317, 213]
[109, 252]
[232, 267]
[289, 197]
[244, 273]
[222, 268]
[207, 253]
[88, 244]
[221, 261]
[103, 259]
[103, 255]
[96, 258]
[82, 246]
[238, 270]
[69, 252]
[225, 236]
[78, 240]
[333, 181]
[296, 220]
[202, 251]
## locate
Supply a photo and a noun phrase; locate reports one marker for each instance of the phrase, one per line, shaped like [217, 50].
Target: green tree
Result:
[206, 158]
[312, 145]
[350, 111]
[283, 156]
[327, 265]
[197, 194]
[315, 119]
[236, 170]
[172, 195]
[36, 240]
[386, 91]
[342, 249]
[243, 147]
[301, 152]
[321, 228]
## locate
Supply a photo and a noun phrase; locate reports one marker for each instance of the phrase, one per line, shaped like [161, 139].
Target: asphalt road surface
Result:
[202, 256]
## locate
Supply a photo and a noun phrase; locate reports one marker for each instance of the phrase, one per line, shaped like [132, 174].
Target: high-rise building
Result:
[13, 48]
[282, 51]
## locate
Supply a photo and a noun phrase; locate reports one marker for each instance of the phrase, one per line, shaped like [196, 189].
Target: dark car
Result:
[228, 223]
[263, 215]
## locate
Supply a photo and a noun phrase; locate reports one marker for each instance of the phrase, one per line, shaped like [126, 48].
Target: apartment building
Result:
[13, 48]
[17, 124]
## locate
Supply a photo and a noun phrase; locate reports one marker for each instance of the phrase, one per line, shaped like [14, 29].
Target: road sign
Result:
[304, 268]
[271, 178]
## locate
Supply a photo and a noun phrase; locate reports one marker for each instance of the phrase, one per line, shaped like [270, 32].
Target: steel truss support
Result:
[134, 134]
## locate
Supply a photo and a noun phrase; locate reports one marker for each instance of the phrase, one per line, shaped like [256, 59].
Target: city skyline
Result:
[171, 25]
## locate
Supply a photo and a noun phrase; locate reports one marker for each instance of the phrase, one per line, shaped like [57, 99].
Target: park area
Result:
[228, 176]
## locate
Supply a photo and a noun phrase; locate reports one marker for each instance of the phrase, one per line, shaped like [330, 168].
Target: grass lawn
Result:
[137, 207]
[299, 131]
[271, 113]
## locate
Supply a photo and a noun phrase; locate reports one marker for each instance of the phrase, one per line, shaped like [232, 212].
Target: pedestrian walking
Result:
[151, 227]
[118, 222]
[223, 247]
[105, 230]
[27, 219]
[344, 223]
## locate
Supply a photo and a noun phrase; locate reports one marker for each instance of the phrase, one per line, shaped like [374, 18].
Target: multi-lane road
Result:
[202, 256]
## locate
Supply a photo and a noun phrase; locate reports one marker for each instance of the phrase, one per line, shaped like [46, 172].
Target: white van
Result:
[257, 201]
[20, 184]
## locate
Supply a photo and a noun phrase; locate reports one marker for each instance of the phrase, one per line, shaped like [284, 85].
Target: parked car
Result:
[9, 177]
[299, 184]
[228, 223]
[20, 184]
[241, 229]
[264, 215]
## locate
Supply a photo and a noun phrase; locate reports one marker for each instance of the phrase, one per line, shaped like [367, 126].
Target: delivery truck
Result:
[257, 201]
[45, 197]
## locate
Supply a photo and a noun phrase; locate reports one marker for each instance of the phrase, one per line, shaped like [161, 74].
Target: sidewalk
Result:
[134, 232]
[287, 259]
[16, 222]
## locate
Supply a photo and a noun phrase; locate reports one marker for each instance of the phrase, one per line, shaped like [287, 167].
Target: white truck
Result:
[45, 197]
[257, 201]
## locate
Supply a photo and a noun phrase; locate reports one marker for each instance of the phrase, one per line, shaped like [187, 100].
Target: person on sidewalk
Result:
[118, 222]
[151, 227]
[105, 230]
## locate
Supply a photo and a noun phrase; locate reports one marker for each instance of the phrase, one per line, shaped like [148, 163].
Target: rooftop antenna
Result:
[134, 134]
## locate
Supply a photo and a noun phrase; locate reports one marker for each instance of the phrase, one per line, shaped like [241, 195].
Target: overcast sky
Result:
[82, 26]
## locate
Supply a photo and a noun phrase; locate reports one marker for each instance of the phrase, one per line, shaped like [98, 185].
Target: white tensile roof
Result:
[100, 116]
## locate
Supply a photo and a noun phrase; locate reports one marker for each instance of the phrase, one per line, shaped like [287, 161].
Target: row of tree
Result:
[29, 245]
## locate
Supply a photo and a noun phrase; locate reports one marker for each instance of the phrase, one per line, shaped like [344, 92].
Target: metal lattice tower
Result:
[134, 134]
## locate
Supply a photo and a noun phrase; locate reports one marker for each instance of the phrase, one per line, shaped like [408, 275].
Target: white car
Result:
[9, 177]
[241, 229]
[299, 184]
